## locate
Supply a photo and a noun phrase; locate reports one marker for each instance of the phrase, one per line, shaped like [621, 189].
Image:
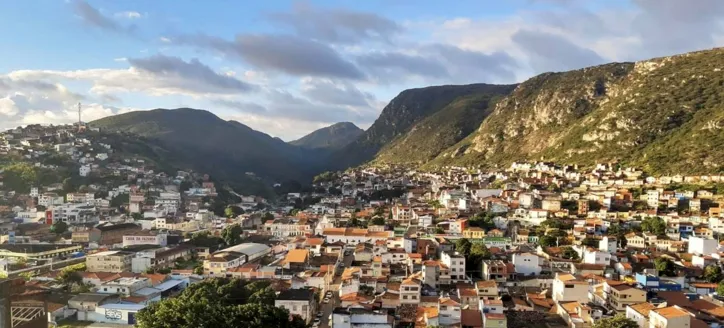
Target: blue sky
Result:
[289, 67]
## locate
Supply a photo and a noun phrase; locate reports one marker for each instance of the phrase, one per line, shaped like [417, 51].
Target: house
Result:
[526, 264]
[621, 296]
[456, 262]
[471, 318]
[568, 288]
[298, 302]
[361, 317]
[640, 313]
[669, 317]
[635, 241]
[118, 313]
[410, 290]
[450, 312]
[468, 295]
[576, 314]
[109, 261]
[497, 270]
[487, 289]
[88, 302]
[113, 234]
[495, 320]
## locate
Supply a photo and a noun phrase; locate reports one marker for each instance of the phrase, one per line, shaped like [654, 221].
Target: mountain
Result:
[332, 137]
[442, 129]
[665, 115]
[401, 114]
[227, 149]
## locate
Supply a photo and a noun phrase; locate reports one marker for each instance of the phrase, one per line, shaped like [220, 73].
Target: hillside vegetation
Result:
[664, 115]
[401, 114]
[444, 128]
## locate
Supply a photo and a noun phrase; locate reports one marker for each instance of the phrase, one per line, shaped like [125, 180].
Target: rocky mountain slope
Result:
[332, 137]
[401, 114]
[444, 128]
[665, 115]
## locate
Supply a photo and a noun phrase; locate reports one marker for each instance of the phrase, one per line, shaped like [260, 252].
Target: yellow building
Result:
[474, 233]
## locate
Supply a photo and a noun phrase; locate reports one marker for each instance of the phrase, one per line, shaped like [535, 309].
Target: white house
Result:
[456, 263]
[702, 246]
[84, 170]
[526, 264]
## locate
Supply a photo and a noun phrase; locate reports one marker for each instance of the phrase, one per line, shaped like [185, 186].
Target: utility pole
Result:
[79, 118]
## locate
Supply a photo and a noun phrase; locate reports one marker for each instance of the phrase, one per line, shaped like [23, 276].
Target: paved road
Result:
[334, 287]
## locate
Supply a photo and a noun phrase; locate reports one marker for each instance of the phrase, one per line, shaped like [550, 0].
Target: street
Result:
[334, 288]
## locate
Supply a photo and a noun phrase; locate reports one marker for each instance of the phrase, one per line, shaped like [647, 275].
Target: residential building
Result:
[669, 317]
[526, 264]
[109, 261]
[456, 262]
[567, 288]
[298, 302]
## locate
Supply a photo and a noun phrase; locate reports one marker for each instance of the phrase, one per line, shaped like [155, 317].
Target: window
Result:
[404, 297]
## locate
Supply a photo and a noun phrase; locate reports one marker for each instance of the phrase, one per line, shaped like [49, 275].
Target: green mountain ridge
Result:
[204, 142]
[332, 137]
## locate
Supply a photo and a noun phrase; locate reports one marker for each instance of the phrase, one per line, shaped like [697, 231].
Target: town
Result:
[92, 236]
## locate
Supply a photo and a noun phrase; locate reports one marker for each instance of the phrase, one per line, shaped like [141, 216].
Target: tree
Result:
[720, 288]
[463, 246]
[25, 275]
[69, 277]
[205, 239]
[120, 200]
[219, 302]
[481, 251]
[619, 321]
[590, 242]
[378, 220]
[232, 234]
[569, 253]
[712, 273]
[665, 267]
[548, 241]
[267, 217]
[233, 211]
[137, 216]
[482, 220]
[439, 230]
[655, 225]
[59, 227]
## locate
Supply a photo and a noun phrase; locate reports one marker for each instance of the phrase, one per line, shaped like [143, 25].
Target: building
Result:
[640, 313]
[702, 246]
[221, 261]
[410, 290]
[567, 288]
[38, 251]
[361, 317]
[109, 261]
[144, 237]
[113, 234]
[86, 236]
[526, 264]
[298, 302]
[669, 317]
[456, 263]
[621, 296]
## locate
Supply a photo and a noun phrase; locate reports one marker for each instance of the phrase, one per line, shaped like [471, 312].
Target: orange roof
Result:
[566, 277]
[495, 316]
[52, 307]
[671, 312]
[643, 308]
[297, 256]
[315, 241]
[448, 301]
[486, 283]
[156, 278]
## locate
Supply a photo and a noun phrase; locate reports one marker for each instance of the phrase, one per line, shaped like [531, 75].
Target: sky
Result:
[287, 68]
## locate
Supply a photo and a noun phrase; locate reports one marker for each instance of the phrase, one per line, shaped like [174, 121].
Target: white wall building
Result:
[526, 264]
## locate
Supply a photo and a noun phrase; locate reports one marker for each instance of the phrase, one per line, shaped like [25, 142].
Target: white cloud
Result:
[8, 107]
[129, 15]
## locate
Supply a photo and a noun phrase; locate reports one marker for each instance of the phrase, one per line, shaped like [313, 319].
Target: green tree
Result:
[69, 277]
[378, 220]
[137, 216]
[481, 251]
[569, 253]
[720, 288]
[232, 235]
[712, 273]
[665, 266]
[218, 302]
[590, 242]
[267, 217]
[120, 200]
[655, 225]
[233, 211]
[619, 321]
[205, 239]
[25, 275]
[463, 246]
[59, 227]
[482, 220]
[547, 241]
[439, 230]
